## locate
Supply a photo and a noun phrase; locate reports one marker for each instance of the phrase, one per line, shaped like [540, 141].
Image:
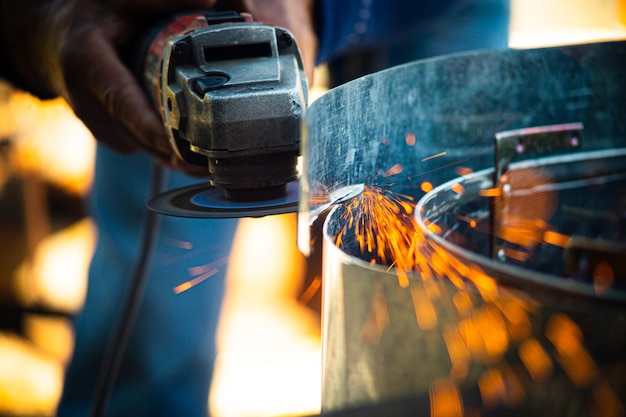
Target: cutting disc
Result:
[205, 201]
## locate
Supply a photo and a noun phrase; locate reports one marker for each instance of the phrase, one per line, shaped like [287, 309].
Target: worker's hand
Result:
[72, 48]
[297, 16]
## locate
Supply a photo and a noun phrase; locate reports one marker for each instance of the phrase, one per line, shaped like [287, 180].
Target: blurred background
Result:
[46, 240]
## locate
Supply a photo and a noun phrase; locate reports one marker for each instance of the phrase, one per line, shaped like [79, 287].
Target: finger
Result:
[98, 121]
[116, 89]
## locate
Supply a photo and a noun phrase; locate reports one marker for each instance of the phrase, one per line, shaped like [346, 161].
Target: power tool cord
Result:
[118, 340]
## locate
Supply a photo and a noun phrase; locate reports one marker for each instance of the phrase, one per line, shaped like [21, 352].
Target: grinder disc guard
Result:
[205, 201]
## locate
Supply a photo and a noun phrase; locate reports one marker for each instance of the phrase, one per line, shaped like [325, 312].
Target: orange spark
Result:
[458, 188]
[445, 399]
[394, 170]
[492, 388]
[311, 290]
[425, 313]
[493, 331]
[461, 171]
[426, 186]
[180, 244]
[434, 228]
[463, 303]
[535, 359]
[437, 155]
[566, 337]
[564, 334]
[580, 367]
[200, 273]
[469, 221]
[607, 403]
[410, 139]
[403, 279]
[382, 225]
[193, 282]
[555, 238]
[490, 192]
[457, 350]
[603, 276]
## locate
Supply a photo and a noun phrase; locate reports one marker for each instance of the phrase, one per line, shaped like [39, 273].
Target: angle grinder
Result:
[231, 93]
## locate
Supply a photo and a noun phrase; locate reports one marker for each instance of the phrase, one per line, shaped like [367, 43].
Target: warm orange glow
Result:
[517, 255]
[56, 276]
[200, 274]
[445, 399]
[603, 276]
[426, 186]
[437, 155]
[459, 189]
[500, 386]
[473, 340]
[403, 278]
[536, 23]
[518, 321]
[457, 350]
[434, 228]
[463, 303]
[311, 290]
[493, 331]
[566, 337]
[425, 313]
[410, 139]
[486, 285]
[268, 342]
[31, 380]
[492, 388]
[50, 141]
[53, 335]
[490, 192]
[394, 170]
[564, 334]
[607, 404]
[383, 226]
[377, 318]
[432, 289]
[554, 238]
[462, 171]
[193, 282]
[516, 395]
[535, 359]
[579, 366]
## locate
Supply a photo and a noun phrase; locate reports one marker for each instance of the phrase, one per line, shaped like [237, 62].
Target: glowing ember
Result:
[200, 274]
[410, 139]
[438, 155]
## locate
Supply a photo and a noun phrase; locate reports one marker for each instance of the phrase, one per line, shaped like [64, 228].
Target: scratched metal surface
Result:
[374, 349]
[455, 105]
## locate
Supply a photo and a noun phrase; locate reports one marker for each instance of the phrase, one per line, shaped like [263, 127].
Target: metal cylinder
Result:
[468, 333]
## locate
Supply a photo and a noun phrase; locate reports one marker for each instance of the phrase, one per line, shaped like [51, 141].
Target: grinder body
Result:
[231, 93]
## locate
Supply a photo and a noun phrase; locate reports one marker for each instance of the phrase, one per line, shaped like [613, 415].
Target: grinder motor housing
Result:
[232, 93]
